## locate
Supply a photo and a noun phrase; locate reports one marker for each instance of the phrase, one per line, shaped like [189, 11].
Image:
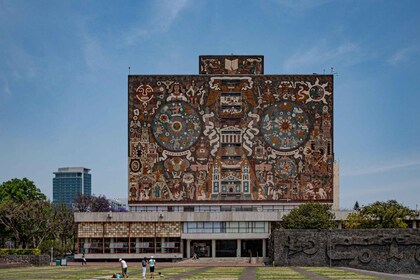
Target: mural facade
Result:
[233, 136]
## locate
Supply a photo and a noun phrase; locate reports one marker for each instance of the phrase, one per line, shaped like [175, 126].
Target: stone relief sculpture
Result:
[387, 250]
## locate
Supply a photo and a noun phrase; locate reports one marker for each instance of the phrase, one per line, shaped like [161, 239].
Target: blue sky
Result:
[64, 66]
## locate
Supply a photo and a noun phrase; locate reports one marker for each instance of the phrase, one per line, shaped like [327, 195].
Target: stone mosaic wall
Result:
[125, 229]
[142, 229]
[230, 137]
[116, 229]
[233, 64]
[386, 250]
[90, 230]
[168, 229]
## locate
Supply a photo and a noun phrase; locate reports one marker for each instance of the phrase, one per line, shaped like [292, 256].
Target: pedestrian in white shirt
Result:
[124, 267]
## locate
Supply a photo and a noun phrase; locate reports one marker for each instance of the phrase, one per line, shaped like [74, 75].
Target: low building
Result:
[231, 232]
[119, 204]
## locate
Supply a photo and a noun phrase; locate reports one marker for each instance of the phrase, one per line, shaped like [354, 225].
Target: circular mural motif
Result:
[316, 92]
[285, 126]
[286, 168]
[176, 126]
[135, 165]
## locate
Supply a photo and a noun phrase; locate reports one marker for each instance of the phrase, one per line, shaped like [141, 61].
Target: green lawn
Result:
[228, 273]
[219, 273]
[278, 273]
[335, 273]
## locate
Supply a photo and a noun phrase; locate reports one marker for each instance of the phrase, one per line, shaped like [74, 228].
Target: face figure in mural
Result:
[188, 180]
[176, 166]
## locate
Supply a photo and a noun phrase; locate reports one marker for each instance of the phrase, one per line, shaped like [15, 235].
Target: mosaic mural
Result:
[230, 137]
[234, 64]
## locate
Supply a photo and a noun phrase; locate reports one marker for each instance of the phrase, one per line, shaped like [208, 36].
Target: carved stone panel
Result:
[386, 250]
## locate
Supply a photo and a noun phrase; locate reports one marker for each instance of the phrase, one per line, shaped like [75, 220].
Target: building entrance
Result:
[251, 248]
[201, 247]
[225, 248]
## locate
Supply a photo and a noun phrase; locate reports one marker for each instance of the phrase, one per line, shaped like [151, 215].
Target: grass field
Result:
[335, 273]
[278, 273]
[211, 273]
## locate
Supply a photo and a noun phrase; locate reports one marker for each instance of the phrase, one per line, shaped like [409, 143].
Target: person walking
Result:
[124, 267]
[84, 259]
[152, 263]
[143, 267]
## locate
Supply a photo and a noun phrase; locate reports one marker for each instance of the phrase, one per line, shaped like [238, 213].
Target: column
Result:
[213, 248]
[86, 249]
[137, 246]
[188, 248]
[238, 248]
[112, 246]
[264, 248]
[414, 224]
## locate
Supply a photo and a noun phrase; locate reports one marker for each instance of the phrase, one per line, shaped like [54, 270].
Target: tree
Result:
[65, 228]
[27, 218]
[29, 222]
[39, 221]
[18, 190]
[390, 214]
[310, 216]
[356, 206]
[92, 203]
[21, 209]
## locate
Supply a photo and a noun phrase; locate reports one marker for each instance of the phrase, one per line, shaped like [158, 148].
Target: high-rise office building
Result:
[70, 181]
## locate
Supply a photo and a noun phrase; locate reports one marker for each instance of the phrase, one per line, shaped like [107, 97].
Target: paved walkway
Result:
[310, 274]
[383, 275]
[250, 273]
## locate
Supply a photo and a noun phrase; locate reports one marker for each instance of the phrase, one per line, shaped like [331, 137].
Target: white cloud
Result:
[164, 13]
[321, 55]
[402, 55]
[387, 167]
[168, 12]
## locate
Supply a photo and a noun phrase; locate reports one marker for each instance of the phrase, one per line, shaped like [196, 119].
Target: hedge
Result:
[20, 251]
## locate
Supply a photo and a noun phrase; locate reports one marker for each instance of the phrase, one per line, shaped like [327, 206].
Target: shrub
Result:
[20, 252]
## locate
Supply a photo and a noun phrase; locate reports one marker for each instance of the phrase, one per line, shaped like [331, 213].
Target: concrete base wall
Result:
[385, 250]
[39, 260]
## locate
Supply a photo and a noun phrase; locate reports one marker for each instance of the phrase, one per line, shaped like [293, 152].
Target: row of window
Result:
[225, 227]
[65, 175]
[149, 245]
[200, 208]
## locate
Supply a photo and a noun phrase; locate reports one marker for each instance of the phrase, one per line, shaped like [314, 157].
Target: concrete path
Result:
[383, 275]
[250, 273]
[310, 274]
